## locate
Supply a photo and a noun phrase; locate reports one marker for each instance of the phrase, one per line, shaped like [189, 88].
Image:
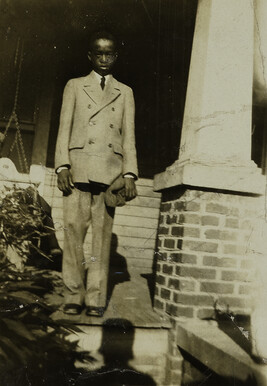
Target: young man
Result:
[95, 146]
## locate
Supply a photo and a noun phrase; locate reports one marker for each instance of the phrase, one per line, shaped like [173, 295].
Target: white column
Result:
[215, 148]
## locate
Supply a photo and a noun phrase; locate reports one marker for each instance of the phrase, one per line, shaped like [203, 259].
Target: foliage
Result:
[21, 220]
[34, 348]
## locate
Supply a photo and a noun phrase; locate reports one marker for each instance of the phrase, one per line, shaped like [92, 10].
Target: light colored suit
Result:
[96, 138]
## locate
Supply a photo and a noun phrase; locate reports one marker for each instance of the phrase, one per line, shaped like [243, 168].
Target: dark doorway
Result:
[155, 39]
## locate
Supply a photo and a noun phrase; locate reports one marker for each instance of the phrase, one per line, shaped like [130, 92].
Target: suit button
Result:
[111, 126]
[110, 145]
[89, 106]
[91, 141]
[113, 109]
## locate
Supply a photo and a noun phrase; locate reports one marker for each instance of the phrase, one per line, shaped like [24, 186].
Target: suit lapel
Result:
[93, 89]
[110, 93]
[100, 98]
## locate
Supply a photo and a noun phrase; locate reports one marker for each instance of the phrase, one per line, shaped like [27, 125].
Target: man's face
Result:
[103, 56]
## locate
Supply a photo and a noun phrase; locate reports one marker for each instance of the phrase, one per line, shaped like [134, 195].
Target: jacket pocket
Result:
[76, 145]
[117, 148]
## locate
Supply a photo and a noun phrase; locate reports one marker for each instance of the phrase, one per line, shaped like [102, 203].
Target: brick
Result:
[167, 269]
[158, 304]
[234, 275]
[221, 235]
[234, 249]
[214, 261]
[189, 218]
[171, 219]
[165, 207]
[183, 258]
[165, 294]
[206, 313]
[245, 289]
[163, 231]
[216, 208]
[158, 268]
[156, 290]
[228, 301]
[174, 283]
[201, 246]
[169, 243]
[176, 310]
[220, 288]
[212, 234]
[227, 235]
[193, 206]
[177, 231]
[182, 285]
[186, 231]
[209, 220]
[180, 205]
[213, 207]
[232, 223]
[162, 256]
[160, 279]
[197, 273]
[191, 232]
[193, 299]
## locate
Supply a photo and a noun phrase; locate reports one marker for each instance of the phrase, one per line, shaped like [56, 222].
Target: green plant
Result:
[34, 348]
[21, 221]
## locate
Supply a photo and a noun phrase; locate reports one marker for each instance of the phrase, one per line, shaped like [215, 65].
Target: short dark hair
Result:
[103, 34]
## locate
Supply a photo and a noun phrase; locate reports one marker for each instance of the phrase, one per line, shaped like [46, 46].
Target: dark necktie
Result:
[102, 83]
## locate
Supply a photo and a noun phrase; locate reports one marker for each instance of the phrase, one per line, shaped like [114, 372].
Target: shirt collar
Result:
[98, 77]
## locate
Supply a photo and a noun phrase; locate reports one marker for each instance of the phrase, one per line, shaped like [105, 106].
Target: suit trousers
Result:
[86, 282]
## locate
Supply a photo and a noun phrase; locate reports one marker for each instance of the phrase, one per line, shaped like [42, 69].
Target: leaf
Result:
[12, 350]
[19, 328]
[25, 297]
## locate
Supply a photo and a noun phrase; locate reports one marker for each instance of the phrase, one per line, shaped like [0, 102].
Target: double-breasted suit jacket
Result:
[96, 132]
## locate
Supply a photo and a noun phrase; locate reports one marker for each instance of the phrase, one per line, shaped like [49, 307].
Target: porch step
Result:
[130, 337]
[215, 349]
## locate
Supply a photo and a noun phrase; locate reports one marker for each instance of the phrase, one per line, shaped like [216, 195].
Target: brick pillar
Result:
[213, 194]
[204, 256]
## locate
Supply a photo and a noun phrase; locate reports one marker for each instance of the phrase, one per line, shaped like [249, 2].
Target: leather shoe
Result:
[72, 309]
[94, 311]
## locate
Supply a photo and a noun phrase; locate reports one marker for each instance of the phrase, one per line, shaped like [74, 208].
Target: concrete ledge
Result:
[216, 350]
[246, 179]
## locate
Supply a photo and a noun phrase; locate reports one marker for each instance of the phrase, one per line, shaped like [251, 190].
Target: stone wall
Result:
[204, 261]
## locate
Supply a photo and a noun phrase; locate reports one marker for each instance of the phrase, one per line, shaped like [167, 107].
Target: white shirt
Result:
[99, 77]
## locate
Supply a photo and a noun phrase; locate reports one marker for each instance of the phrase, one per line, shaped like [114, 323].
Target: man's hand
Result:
[130, 188]
[64, 181]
